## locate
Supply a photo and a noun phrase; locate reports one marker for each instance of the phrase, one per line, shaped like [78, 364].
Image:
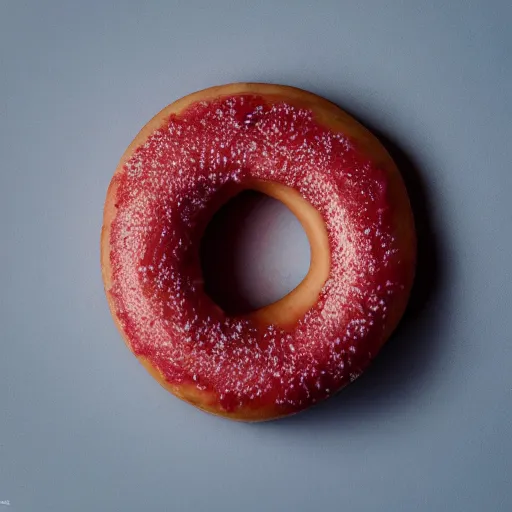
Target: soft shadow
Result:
[394, 382]
[219, 252]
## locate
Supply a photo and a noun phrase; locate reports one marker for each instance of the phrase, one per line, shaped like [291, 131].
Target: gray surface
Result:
[82, 427]
[253, 252]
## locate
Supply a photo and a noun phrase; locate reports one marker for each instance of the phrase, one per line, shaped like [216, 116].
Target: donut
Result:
[336, 178]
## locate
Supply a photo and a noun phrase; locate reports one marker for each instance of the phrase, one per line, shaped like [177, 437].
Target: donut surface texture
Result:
[344, 188]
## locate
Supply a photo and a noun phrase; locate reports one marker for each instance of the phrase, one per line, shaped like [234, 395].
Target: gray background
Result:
[82, 426]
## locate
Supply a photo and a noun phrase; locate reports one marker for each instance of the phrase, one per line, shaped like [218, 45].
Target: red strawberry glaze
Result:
[165, 195]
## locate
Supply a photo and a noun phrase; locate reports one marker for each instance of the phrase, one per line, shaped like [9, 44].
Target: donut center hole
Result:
[254, 251]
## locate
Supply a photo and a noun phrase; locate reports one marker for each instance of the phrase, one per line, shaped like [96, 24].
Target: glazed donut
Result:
[341, 184]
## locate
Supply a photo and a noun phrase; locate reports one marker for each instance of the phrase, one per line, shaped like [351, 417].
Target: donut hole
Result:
[254, 251]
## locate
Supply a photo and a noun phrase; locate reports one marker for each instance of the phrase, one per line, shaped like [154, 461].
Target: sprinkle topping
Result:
[166, 192]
